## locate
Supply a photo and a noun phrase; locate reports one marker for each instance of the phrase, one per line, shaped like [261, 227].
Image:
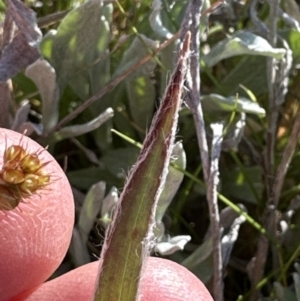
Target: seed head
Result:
[21, 176]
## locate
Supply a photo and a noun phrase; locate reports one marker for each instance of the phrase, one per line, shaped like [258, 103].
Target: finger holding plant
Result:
[36, 216]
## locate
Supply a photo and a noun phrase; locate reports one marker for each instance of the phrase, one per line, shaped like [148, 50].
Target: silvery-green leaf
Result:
[291, 237]
[90, 209]
[139, 48]
[21, 115]
[46, 45]
[159, 231]
[234, 127]
[236, 183]
[86, 177]
[43, 75]
[234, 133]
[108, 205]
[229, 217]
[204, 20]
[249, 72]
[199, 255]
[81, 43]
[91, 156]
[200, 262]
[296, 278]
[99, 73]
[78, 196]
[297, 268]
[77, 130]
[284, 293]
[229, 238]
[293, 206]
[216, 102]
[287, 217]
[288, 19]
[169, 247]
[80, 85]
[173, 181]
[141, 99]
[78, 249]
[156, 22]
[242, 42]
[230, 222]
[167, 59]
[119, 161]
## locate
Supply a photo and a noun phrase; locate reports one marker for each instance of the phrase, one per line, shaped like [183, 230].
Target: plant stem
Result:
[192, 23]
[260, 258]
[212, 198]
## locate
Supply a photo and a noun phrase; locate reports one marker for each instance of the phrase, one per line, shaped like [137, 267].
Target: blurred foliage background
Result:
[92, 43]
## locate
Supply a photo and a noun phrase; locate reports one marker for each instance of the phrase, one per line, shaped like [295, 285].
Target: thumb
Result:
[36, 234]
[162, 280]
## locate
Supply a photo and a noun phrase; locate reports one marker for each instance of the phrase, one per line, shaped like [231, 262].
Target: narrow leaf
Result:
[174, 244]
[242, 42]
[128, 237]
[141, 94]
[43, 74]
[108, 205]
[119, 161]
[156, 20]
[200, 261]
[21, 116]
[76, 130]
[297, 285]
[91, 207]
[215, 102]
[229, 238]
[78, 249]
[173, 181]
